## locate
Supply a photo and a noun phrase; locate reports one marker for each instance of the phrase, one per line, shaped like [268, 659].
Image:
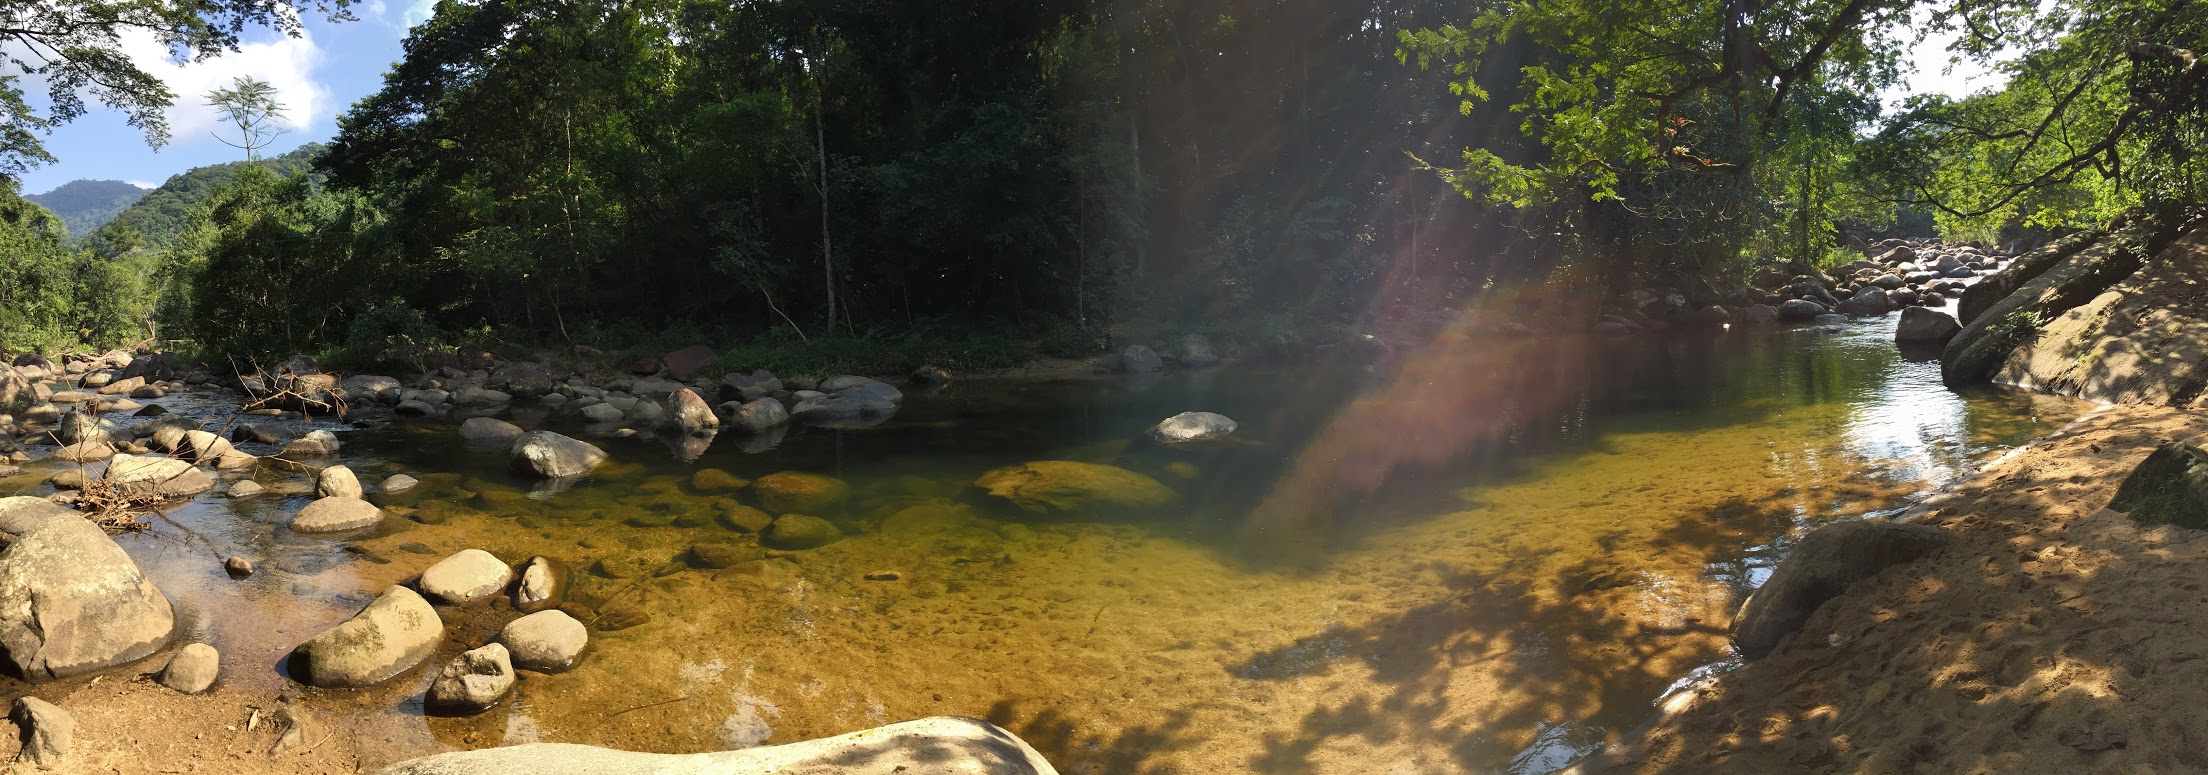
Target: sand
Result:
[2055, 636]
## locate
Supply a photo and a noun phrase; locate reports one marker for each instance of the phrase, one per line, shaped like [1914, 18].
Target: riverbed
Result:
[1488, 554]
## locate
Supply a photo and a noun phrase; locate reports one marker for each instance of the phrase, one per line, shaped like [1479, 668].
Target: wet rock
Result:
[790, 491]
[488, 429]
[476, 397]
[722, 554]
[941, 745]
[193, 669]
[246, 488]
[68, 479]
[543, 585]
[71, 601]
[333, 514]
[1139, 359]
[743, 519]
[48, 731]
[473, 681]
[688, 414]
[1822, 566]
[842, 383]
[397, 483]
[1191, 429]
[1800, 309]
[545, 641]
[1919, 324]
[238, 567]
[1060, 486]
[235, 460]
[466, 576]
[151, 410]
[622, 618]
[524, 380]
[394, 633]
[841, 408]
[758, 415]
[884, 575]
[86, 452]
[262, 433]
[414, 409]
[553, 456]
[337, 482]
[1869, 302]
[628, 565]
[371, 388]
[714, 480]
[798, 531]
[164, 477]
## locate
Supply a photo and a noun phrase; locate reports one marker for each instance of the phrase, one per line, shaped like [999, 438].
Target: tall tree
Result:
[251, 108]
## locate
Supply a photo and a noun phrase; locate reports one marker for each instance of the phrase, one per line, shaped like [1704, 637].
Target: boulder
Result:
[489, 429]
[2026, 268]
[646, 412]
[2169, 487]
[1065, 486]
[690, 415]
[466, 576]
[1977, 351]
[604, 413]
[524, 380]
[71, 601]
[1869, 302]
[394, 633]
[1191, 428]
[337, 482]
[193, 669]
[370, 388]
[845, 406]
[166, 477]
[317, 443]
[553, 456]
[684, 363]
[941, 745]
[397, 483]
[477, 397]
[1139, 359]
[546, 641]
[47, 731]
[2144, 340]
[333, 514]
[1800, 309]
[79, 426]
[1822, 566]
[86, 452]
[788, 492]
[245, 488]
[797, 531]
[473, 681]
[543, 585]
[262, 433]
[1922, 324]
[201, 446]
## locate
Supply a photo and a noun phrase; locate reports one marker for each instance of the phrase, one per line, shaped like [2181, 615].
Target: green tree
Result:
[251, 108]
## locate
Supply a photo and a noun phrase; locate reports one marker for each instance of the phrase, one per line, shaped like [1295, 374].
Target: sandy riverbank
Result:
[2054, 636]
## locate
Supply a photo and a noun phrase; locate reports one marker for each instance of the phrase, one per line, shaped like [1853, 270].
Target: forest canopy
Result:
[1277, 173]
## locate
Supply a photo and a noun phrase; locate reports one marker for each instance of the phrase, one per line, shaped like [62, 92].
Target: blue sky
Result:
[317, 75]
[331, 66]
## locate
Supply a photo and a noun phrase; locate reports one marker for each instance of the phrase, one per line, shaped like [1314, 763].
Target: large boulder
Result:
[787, 492]
[1191, 429]
[940, 745]
[337, 482]
[2142, 341]
[2169, 487]
[394, 633]
[553, 456]
[690, 415]
[1986, 341]
[165, 477]
[1822, 566]
[2026, 268]
[1869, 303]
[371, 388]
[1800, 309]
[1065, 486]
[15, 391]
[466, 576]
[488, 429]
[1921, 324]
[202, 447]
[333, 514]
[758, 415]
[71, 601]
[316, 443]
[524, 380]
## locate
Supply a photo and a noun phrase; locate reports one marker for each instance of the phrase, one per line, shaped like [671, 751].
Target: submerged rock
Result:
[395, 632]
[1065, 486]
[1822, 566]
[193, 669]
[940, 745]
[473, 681]
[71, 601]
[784, 492]
[1191, 428]
[466, 576]
[798, 531]
[545, 641]
[553, 456]
[543, 585]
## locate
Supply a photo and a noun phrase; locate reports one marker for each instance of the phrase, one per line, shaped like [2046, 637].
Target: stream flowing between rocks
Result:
[1491, 555]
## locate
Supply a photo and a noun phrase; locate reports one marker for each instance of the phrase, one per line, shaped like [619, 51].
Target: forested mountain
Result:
[157, 218]
[83, 205]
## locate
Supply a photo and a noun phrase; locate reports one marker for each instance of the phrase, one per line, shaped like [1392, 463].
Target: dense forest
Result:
[83, 205]
[1277, 174]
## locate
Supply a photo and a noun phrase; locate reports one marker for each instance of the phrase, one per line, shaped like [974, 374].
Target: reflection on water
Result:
[1493, 555]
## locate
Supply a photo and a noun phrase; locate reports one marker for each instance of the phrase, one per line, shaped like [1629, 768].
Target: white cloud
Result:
[416, 12]
[284, 62]
[143, 184]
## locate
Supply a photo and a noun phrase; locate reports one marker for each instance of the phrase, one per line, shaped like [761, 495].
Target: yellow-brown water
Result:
[1488, 557]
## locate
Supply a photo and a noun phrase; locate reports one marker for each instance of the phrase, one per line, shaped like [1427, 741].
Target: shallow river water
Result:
[1490, 556]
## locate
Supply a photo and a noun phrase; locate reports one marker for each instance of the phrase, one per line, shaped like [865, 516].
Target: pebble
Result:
[238, 567]
[884, 575]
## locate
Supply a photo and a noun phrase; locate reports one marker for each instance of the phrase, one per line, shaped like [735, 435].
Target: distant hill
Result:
[161, 215]
[86, 204]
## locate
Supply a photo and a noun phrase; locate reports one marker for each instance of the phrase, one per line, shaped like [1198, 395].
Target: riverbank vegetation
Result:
[1063, 177]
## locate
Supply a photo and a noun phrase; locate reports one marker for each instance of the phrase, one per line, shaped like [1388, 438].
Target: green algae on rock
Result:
[790, 491]
[1063, 486]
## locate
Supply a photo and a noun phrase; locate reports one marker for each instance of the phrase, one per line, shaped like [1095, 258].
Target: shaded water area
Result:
[1489, 556]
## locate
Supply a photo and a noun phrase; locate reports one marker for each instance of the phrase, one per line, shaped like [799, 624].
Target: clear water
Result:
[1491, 556]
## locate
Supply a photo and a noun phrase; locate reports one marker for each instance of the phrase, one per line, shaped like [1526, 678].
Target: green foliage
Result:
[284, 265]
[875, 354]
[84, 205]
[1074, 339]
[160, 217]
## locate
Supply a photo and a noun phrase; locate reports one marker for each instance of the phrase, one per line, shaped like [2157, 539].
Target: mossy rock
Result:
[2169, 487]
[743, 519]
[627, 565]
[798, 531]
[1065, 486]
[723, 554]
[788, 492]
[714, 480]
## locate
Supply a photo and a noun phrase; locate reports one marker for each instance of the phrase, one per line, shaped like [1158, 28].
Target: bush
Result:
[393, 333]
[1074, 339]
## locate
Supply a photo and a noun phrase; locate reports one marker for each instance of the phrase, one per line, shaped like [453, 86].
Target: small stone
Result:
[47, 730]
[543, 584]
[193, 669]
[545, 641]
[466, 576]
[473, 681]
[615, 619]
[884, 575]
[246, 488]
[238, 567]
[397, 483]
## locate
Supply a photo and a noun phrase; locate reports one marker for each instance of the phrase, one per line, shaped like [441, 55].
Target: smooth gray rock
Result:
[466, 576]
[1800, 309]
[473, 681]
[758, 415]
[167, 477]
[1919, 324]
[546, 641]
[939, 745]
[397, 483]
[316, 443]
[337, 482]
[842, 383]
[47, 730]
[604, 412]
[553, 456]
[488, 429]
[71, 601]
[1822, 566]
[394, 633]
[193, 669]
[330, 515]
